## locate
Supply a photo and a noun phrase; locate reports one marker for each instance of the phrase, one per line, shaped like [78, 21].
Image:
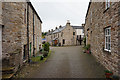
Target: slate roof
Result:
[77, 27]
[59, 30]
[62, 28]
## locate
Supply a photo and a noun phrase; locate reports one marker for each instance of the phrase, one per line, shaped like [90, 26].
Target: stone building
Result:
[102, 30]
[63, 36]
[79, 34]
[21, 33]
[0, 30]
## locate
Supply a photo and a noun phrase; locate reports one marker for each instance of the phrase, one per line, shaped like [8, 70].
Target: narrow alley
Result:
[69, 62]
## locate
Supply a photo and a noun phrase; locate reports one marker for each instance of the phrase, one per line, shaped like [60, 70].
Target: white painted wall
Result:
[79, 31]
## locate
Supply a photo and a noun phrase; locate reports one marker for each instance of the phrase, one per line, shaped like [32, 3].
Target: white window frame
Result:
[107, 4]
[108, 39]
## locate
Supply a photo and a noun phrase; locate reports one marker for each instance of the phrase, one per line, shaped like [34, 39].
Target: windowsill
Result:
[108, 51]
[106, 10]
[24, 61]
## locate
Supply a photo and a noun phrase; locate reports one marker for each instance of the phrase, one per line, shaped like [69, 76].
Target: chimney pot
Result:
[56, 28]
[60, 26]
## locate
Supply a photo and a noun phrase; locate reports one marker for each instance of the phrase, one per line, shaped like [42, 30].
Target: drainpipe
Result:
[28, 31]
[33, 36]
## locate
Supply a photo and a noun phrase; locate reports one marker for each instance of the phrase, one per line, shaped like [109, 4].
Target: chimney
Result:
[52, 30]
[49, 31]
[68, 22]
[56, 28]
[83, 25]
[60, 26]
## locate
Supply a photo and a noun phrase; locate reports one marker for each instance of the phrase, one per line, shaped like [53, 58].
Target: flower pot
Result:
[108, 75]
[87, 51]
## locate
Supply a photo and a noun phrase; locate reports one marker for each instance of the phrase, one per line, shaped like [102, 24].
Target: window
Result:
[58, 35]
[61, 34]
[108, 39]
[63, 41]
[73, 33]
[25, 16]
[107, 4]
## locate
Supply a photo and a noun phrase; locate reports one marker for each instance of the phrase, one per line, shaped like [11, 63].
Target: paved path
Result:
[69, 62]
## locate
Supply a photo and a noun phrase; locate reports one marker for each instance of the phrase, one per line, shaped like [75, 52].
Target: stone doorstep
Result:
[7, 76]
[8, 69]
[7, 72]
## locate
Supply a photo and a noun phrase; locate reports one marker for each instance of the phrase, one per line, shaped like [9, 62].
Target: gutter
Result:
[28, 31]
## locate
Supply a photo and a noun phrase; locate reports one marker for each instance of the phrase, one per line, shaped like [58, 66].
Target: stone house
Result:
[21, 33]
[102, 30]
[63, 36]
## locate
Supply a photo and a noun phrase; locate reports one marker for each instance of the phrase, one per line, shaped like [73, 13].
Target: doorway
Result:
[25, 52]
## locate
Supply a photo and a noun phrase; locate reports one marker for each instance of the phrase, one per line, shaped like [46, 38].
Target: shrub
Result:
[45, 54]
[41, 57]
[84, 40]
[46, 47]
[87, 47]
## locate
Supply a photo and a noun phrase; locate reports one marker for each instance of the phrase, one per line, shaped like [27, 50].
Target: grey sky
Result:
[55, 12]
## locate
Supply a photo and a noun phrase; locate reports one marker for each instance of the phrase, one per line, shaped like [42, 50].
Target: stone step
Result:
[7, 76]
[7, 72]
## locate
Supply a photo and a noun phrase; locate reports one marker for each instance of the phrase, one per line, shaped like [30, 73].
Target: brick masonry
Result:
[97, 19]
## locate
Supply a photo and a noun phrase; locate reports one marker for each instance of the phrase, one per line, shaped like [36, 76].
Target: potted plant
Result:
[87, 49]
[108, 74]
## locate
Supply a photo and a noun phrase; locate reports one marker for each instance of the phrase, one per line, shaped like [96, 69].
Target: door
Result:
[30, 49]
[25, 52]
[63, 41]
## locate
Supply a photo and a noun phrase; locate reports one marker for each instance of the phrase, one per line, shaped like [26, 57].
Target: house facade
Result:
[79, 34]
[21, 33]
[102, 30]
[63, 36]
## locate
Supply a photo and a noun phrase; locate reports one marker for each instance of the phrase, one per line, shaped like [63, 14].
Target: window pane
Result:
[108, 46]
[109, 39]
[105, 32]
[108, 31]
[106, 39]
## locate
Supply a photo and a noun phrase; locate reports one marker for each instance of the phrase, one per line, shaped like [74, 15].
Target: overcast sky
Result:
[56, 12]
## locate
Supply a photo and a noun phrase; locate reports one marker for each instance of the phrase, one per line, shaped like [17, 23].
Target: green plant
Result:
[87, 47]
[36, 59]
[45, 53]
[84, 40]
[46, 47]
[107, 71]
[41, 57]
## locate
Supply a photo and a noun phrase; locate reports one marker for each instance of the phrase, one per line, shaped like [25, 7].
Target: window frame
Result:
[107, 4]
[107, 39]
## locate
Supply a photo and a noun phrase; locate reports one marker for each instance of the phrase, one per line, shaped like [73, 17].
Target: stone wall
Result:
[66, 34]
[11, 33]
[98, 18]
[70, 39]
[0, 12]
[14, 32]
